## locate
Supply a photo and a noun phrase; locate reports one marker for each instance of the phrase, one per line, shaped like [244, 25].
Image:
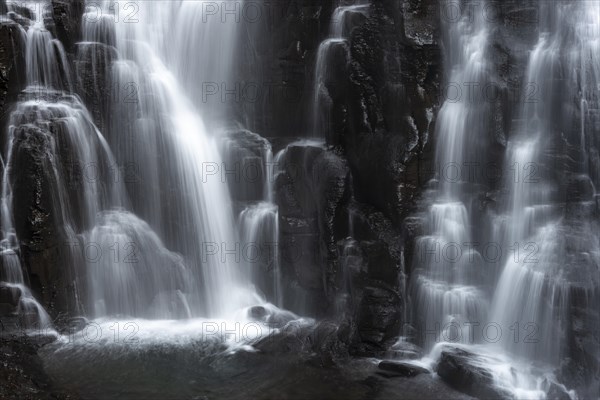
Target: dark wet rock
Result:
[94, 80]
[22, 375]
[557, 392]
[48, 251]
[282, 49]
[420, 20]
[412, 229]
[579, 369]
[458, 369]
[370, 279]
[257, 312]
[310, 193]
[12, 66]
[398, 368]
[66, 22]
[580, 188]
[34, 189]
[247, 167]
[19, 19]
[378, 319]
[7, 310]
[10, 295]
[385, 119]
[521, 18]
[324, 342]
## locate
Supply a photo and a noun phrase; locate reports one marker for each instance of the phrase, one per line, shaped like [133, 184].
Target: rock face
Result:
[42, 240]
[281, 52]
[310, 191]
[23, 374]
[347, 208]
[383, 101]
[249, 165]
[372, 291]
[93, 68]
[12, 66]
[66, 22]
[384, 122]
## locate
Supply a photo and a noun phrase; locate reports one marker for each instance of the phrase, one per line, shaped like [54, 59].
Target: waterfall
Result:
[545, 227]
[79, 168]
[259, 234]
[326, 67]
[250, 168]
[43, 73]
[132, 197]
[445, 289]
[535, 287]
[178, 263]
[163, 137]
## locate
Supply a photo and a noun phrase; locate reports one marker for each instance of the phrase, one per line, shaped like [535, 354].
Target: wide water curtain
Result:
[162, 135]
[146, 230]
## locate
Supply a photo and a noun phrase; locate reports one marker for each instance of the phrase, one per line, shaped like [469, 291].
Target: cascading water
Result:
[162, 214]
[446, 292]
[43, 109]
[535, 287]
[141, 278]
[549, 248]
[336, 42]
[259, 229]
[249, 162]
[163, 124]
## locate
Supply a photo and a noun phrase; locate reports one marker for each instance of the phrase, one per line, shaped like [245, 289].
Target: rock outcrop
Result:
[310, 191]
[12, 67]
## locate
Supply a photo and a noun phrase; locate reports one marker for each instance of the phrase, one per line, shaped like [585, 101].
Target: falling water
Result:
[445, 288]
[161, 135]
[339, 30]
[545, 228]
[535, 286]
[181, 239]
[249, 168]
[259, 234]
[42, 73]
[160, 140]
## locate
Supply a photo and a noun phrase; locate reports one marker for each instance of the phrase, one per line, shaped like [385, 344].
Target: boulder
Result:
[10, 295]
[398, 368]
[378, 319]
[460, 369]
